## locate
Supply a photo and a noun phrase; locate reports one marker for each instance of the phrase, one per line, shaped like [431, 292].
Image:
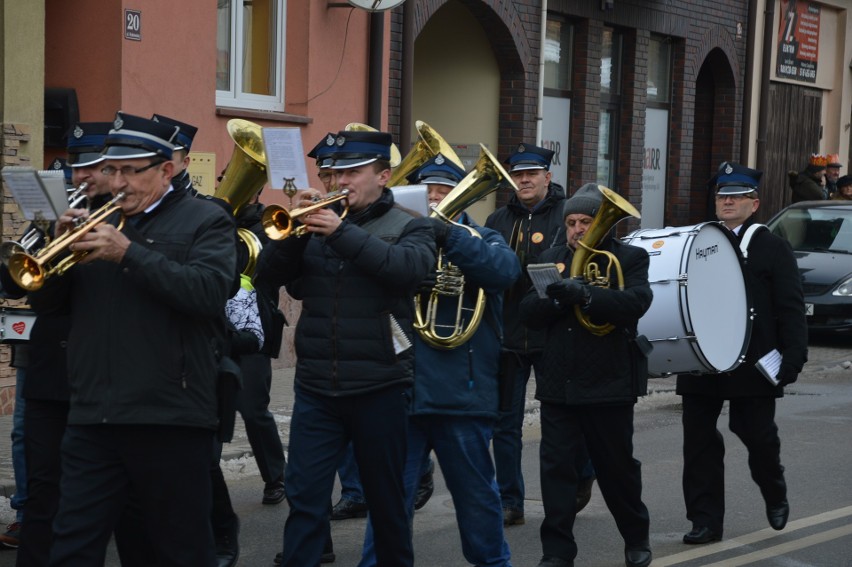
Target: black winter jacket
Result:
[353, 284]
[147, 333]
[775, 287]
[580, 368]
[528, 233]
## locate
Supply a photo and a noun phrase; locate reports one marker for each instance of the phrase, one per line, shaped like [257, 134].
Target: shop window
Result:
[250, 54]
[609, 114]
[556, 101]
[657, 112]
[659, 69]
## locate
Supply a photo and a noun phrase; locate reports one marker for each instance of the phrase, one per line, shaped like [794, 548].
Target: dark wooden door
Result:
[792, 135]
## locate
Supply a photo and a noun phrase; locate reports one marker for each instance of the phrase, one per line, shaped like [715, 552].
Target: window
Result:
[558, 44]
[609, 116]
[250, 54]
[659, 69]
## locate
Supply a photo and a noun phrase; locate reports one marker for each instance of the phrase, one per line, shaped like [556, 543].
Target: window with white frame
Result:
[250, 54]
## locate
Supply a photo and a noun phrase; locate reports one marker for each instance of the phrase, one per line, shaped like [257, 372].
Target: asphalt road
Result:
[815, 420]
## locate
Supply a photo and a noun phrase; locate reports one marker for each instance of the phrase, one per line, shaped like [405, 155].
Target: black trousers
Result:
[261, 429]
[750, 419]
[44, 423]
[166, 467]
[607, 432]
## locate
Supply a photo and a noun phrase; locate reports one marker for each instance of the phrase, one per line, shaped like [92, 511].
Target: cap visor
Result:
[126, 152]
[439, 181]
[84, 160]
[735, 190]
[526, 166]
[352, 162]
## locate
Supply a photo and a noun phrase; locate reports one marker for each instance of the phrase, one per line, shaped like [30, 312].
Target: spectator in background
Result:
[807, 185]
[844, 189]
[832, 173]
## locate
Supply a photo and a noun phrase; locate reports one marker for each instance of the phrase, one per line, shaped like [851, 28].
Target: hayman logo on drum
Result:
[705, 253]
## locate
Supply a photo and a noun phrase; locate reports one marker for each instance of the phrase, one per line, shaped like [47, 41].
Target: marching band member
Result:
[356, 278]
[455, 401]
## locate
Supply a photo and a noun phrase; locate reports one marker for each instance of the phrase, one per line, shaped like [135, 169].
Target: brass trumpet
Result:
[30, 271]
[278, 222]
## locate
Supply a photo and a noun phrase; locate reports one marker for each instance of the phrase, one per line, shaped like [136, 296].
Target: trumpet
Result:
[278, 222]
[30, 271]
[29, 243]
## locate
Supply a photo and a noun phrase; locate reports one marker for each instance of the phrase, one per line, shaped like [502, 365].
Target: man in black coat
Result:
[775, 287]
[588, 387]
[356, 278]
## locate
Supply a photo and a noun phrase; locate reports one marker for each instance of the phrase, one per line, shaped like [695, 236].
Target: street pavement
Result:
[657, 446]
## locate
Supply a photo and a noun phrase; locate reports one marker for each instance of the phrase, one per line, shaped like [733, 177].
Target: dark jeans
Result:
[377, 424]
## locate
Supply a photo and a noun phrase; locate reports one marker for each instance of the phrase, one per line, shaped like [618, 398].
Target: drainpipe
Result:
[748, 92]
[374, 94]
[540, 118]
[763, 116]
[407, 96]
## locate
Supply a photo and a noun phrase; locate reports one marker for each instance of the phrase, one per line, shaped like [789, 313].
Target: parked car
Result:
[821, 235]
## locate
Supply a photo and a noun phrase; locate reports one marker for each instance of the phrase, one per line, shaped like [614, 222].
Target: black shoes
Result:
[701, 534]
[777, 514]
[327, 556]
[228, 546]
[425, 488]
[274, 493]
[515, 517]
[551, 561]
[584, 492]
[345, 509]
[637, 555]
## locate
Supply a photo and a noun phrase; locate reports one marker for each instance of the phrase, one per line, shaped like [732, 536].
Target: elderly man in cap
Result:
[180, 153]
[356, 278]
[832, 173]
[454, 407]
[45, 391]
[530, 223]
[158, 285]
[588, 387]
[775, 288]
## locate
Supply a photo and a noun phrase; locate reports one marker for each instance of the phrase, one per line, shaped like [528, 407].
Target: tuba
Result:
[30, 271]
[429, 144]
[613, 209]
[486, 177]
[243, 177]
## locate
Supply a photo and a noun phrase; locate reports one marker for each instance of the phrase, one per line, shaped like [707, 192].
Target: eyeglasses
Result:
[723, 196]
[128, 170]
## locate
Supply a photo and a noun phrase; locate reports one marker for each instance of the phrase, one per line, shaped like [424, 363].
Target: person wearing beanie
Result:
[807, 185]
[589, 385]
[844, 189]
[530, 223]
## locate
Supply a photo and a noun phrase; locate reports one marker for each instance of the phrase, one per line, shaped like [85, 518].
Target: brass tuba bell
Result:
[613, 209]
[243, 177]
[429, 144]
[486, 176]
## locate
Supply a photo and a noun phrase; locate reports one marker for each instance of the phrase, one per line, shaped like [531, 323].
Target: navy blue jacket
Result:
[463, 381]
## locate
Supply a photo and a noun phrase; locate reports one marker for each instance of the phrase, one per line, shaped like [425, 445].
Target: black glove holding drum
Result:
[568, 292]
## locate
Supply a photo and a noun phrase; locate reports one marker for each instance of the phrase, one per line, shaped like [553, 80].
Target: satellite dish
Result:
[376, 5]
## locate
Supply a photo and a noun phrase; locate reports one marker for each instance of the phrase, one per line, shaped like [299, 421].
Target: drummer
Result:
[779, 329]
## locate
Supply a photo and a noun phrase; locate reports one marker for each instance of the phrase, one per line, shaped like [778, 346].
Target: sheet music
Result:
[769, 365]
[414, 197]
[284, 157]
[542, 275]
[30, 193]
[54, 184]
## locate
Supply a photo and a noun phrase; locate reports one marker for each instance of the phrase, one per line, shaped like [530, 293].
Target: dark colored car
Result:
[821, 235]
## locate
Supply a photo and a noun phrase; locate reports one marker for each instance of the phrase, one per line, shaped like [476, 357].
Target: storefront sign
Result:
[654, 168]
[554, 136]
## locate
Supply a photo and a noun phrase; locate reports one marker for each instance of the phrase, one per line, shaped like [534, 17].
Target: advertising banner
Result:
[798, 41]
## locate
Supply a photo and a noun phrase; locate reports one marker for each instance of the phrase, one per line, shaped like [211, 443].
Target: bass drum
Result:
[700, 318]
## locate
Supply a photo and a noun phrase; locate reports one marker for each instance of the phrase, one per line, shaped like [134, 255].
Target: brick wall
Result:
[13, 139]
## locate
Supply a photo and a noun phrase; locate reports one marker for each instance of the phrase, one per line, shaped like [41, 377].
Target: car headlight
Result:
[844, 289]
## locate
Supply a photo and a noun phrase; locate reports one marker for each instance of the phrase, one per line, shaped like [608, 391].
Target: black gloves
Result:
[568, 292]
[442, 231]
[787, 375]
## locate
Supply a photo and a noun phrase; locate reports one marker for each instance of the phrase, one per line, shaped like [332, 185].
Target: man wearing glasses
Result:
[779, 325]
[146, 334]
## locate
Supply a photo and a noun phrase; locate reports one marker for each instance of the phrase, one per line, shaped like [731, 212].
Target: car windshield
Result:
[819, 228]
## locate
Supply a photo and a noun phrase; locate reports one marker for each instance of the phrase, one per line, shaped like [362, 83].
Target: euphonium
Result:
[486, 176]
[30, 271]
[243, 177]
[278, 222]
[429, 144]
[613, 209]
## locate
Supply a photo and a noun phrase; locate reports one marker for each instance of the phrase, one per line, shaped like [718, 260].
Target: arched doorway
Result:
[713, 137]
